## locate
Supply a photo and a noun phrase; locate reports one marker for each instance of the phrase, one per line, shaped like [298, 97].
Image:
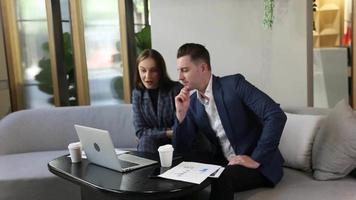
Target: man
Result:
[240, 122]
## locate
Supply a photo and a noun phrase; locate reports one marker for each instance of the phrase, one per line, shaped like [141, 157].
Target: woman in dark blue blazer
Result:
[153, 101]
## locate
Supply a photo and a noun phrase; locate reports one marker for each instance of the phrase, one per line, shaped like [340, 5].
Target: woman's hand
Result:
[169, 133]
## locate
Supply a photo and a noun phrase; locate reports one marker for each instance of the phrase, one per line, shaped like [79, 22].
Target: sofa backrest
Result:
[53, 128]
[306, 110]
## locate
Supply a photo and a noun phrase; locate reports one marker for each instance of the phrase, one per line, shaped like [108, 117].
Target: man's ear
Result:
[204, 66]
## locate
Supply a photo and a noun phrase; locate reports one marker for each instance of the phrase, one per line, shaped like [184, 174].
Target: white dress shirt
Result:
[207, 99]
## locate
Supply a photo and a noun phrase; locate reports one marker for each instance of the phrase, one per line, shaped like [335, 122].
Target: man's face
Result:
[189, 72]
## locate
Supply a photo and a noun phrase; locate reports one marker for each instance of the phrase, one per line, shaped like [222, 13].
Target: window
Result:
[96, 51]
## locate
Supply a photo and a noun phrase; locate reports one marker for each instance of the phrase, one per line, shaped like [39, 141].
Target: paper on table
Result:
[191, 172]
[117, 151]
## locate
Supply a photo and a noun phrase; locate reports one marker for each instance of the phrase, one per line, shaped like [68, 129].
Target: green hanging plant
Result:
[268, 14]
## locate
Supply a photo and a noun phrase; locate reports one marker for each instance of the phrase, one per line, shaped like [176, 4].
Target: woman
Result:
[153, 101]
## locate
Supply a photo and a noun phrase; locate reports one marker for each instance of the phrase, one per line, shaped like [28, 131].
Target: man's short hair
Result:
[197, 52]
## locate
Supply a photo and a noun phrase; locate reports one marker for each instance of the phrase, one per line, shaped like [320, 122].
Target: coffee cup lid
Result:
[167, 147]
[74, 145]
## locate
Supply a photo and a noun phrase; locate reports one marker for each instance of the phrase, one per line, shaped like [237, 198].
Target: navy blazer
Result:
[252, 121]
[150, 127]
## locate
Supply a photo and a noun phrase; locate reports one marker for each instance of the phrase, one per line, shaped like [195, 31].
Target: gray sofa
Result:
[300, 185]
[30, 139]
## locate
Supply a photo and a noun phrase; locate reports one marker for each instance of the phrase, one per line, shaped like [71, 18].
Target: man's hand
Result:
[245, 161]
[182, 101]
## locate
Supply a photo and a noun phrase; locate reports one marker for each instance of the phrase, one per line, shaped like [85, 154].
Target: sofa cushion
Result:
[28, 173]
[298, 185]
[297, 140]
[334, 150]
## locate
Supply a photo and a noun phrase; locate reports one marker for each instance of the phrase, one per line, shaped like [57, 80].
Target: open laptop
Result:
[100, 150]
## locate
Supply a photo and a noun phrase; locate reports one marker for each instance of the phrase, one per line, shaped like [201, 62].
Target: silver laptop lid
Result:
[98, 147]
[100, 150]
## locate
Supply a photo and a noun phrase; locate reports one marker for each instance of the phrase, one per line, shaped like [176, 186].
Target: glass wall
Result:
[102, 46]
[141, 14]
[33, 34]
[142, 25]
[91, 29]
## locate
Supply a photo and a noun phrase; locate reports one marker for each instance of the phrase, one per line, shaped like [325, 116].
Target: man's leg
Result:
[236, 178]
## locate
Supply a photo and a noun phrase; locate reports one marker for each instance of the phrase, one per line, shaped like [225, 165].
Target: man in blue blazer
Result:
[242, 124]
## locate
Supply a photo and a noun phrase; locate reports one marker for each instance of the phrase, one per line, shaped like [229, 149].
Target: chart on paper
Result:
[192, 172]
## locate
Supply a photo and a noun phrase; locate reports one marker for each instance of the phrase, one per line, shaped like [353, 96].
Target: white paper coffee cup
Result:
[166, 155]
[75, 151]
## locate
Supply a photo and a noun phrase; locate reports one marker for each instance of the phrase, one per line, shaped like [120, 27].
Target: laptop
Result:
[100, 150]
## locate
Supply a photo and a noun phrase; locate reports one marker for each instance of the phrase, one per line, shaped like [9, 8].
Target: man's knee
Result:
[225, 179]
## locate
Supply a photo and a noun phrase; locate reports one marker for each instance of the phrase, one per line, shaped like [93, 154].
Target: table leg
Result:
[93, 194]
[89, 193]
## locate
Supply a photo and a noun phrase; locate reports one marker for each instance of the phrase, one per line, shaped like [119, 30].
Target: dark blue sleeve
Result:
[269, 113]
[184, 133]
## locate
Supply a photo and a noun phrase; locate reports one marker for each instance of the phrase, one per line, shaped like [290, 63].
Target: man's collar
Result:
[209, 88]
[205, 98]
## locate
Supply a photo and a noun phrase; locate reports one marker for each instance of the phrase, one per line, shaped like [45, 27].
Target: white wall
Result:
[274, 60]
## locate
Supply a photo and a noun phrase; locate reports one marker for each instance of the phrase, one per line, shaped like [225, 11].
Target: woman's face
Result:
[149, 73]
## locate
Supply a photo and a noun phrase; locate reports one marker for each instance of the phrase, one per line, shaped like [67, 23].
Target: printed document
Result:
[191, 172]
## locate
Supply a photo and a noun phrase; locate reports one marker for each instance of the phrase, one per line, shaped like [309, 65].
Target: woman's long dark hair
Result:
[164, 82]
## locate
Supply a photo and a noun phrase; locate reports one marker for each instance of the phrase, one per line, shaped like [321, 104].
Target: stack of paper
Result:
[192, 172]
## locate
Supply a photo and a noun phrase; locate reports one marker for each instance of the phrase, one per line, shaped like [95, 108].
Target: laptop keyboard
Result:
[126, 164]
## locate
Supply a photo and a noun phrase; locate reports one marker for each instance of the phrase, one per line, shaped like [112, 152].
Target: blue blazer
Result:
[252, 121]
[150, 126]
